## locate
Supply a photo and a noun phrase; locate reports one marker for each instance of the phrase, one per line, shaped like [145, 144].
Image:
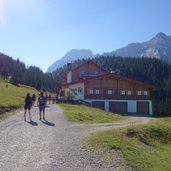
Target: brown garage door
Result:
[98, 104]
[118, 107]
[143, 107]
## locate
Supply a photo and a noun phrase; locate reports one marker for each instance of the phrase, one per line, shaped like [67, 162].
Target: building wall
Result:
[102, 86]
[77, 90]
[98, 104]
[123, 106]
[87, 70]
[64, 79]
[69, 77]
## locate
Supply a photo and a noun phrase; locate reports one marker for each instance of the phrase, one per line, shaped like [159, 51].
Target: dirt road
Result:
[54, 144]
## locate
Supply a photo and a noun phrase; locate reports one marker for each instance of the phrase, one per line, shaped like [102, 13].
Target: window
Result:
[90, 91]
[81, 72]
[129, 92]
[74, 91]
[80, 89]
[96, 72]
[139, 93]
[97, 91]
[109, 91]
[122, 92]
[145, 93]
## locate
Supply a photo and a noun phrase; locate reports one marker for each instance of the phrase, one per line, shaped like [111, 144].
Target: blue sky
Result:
[39, 32]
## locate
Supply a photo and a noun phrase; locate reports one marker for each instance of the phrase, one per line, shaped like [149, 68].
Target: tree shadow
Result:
[46, 122]
[33, 123]
[147, 115]
[137, 115]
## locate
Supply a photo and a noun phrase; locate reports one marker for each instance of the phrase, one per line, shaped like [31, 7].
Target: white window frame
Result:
[90, 91]
[145, 92]
[96, 72]
[109, 92]
[81, 72]
[97, 91]
[139, 92]
[129, 92]
[123, 92]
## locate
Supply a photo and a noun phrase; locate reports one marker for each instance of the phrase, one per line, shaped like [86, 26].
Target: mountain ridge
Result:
[70, 56]
[157, 47]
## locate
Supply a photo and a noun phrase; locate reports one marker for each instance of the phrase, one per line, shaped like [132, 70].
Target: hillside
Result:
[158, 47]
[12, 97]
[71, 56]
[17, 72]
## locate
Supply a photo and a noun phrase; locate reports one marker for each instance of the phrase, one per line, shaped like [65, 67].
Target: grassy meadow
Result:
[88, 115]
[144, 148]
[12, 97]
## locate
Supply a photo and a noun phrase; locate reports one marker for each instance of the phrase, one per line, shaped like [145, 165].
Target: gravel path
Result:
[54, 144]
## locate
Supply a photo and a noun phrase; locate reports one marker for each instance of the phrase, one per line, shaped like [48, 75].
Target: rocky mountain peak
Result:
[161, 35]
[71, 56]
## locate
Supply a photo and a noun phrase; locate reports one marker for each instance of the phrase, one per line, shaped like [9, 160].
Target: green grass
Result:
[144, 148]
[86, 115]
[13, 97]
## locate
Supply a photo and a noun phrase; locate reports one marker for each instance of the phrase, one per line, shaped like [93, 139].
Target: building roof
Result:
[118, 77]
[90, 61]
[111, 75]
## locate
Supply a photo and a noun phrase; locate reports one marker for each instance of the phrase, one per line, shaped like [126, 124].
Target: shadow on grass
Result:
[147, 115]
[46, 122]
[33, 123]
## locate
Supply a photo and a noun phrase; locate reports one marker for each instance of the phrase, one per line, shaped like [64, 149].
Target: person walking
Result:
[33, 98]
[49, 98]
[27, 106]
[42, 104]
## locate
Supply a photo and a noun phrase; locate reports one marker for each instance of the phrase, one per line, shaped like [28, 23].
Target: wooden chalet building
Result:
[91, 83]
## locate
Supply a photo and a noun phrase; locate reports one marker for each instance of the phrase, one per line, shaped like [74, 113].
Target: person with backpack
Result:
[33, 98]
[27, 106]
[49, 97]
[42, 104]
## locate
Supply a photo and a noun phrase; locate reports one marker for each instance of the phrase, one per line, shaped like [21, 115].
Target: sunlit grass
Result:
[144, 148]
[12, 97]
[84, 114]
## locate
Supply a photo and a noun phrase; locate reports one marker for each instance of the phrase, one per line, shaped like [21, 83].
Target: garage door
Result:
[143, 107]
[98, 104]
[118, 107]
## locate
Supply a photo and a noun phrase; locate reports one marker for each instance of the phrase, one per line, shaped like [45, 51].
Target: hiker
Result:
[27, 106]
[33, 98]
[49, 98]
[42, 104]
[53, 99]
[46, 99]
[57, 97]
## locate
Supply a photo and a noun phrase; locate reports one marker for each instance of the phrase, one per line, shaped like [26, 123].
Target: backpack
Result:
[41, 101]
[33, 97]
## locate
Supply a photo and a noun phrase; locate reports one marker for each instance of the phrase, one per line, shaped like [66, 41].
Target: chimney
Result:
[69, 67]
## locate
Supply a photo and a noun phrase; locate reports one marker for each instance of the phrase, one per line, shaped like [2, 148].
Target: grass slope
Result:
[84, 114]
[13, 96]
[144, 148]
